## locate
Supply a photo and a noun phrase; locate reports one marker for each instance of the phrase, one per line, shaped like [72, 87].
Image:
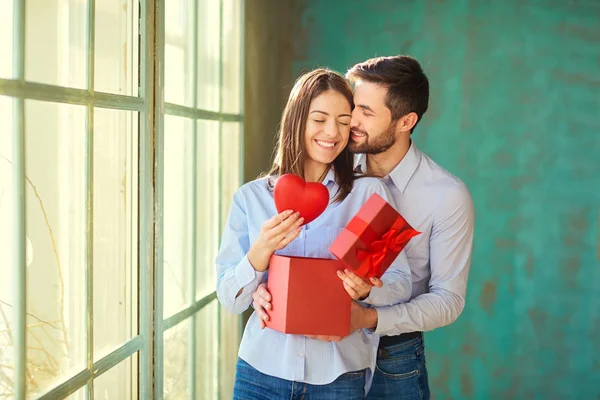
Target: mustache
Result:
[358, 131]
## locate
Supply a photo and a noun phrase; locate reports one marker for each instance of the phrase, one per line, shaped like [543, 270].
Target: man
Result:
[391, 96]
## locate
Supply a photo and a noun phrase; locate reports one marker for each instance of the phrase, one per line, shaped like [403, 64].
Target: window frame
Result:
[150, 105]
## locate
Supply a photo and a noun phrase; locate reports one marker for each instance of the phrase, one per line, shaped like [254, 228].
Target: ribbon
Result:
[393, 241]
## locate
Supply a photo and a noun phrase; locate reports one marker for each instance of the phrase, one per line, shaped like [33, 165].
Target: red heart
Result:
[291, 192]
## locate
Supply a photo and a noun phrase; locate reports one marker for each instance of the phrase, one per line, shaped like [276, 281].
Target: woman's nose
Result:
[331, 129]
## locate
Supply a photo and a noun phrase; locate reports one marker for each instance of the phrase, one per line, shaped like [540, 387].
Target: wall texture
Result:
[268, 77]
[515, 113]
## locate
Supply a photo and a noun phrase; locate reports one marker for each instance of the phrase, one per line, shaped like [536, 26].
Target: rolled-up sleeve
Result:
[236, 278]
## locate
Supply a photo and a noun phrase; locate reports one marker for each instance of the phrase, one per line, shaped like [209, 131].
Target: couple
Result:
[330, 135]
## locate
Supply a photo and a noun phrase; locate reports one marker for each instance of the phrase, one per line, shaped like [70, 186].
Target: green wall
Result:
[515, 113]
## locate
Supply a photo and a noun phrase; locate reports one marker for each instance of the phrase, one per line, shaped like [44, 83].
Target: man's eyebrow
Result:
[323, 112]
[365, 107]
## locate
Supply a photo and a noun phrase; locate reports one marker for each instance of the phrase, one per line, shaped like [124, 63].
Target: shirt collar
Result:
[329, 177]
[402, 173]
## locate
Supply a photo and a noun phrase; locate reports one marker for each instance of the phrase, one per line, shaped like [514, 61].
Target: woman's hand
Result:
[275, 234]
[356, 287]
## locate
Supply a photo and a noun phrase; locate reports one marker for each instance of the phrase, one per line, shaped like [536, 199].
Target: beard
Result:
[377, 145]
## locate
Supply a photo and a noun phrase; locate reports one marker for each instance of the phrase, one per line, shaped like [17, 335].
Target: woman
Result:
[315, 128]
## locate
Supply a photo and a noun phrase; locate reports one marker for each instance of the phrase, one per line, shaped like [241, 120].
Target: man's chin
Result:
[356, 147]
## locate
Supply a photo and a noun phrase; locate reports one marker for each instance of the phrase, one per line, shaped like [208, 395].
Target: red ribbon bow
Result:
[392, 241]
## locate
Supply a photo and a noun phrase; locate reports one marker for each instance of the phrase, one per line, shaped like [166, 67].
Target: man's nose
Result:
[353, 120]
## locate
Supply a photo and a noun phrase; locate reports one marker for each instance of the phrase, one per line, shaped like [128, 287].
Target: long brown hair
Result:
[291, 153]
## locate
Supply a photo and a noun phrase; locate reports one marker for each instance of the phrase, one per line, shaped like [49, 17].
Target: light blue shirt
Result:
[438, 204]
[296, 357]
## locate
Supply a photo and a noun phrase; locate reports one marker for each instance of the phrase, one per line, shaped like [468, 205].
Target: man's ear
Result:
[407, 122]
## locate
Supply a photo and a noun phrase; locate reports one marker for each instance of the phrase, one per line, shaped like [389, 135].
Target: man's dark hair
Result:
[407, 84]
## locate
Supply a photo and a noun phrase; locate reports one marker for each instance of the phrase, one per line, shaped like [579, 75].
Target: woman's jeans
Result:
[250, 384]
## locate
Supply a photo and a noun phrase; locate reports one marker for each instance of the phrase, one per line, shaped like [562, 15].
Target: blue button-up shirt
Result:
[296, 357]
[439, 205]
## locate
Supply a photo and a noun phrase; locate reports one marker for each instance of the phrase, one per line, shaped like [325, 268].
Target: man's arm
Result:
[451, 246]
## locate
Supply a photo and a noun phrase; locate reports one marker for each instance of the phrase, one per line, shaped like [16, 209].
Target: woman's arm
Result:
[236, 278]
[241, 267]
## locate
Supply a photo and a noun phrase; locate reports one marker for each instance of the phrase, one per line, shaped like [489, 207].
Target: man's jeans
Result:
[401, 372]
[250, 384]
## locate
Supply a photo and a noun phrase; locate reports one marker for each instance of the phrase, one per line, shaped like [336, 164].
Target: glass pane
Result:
[119, 382]
[208, 55]
[115, 228]
[6, 42]
[232, 53]
[116, 55]
[176, 354]
[78, 395]
[178, 190]
[207, 205]
[179, 54]
[55, 42]
[230, 339]
[207, 352]
[56, 242]
[230, 171]
[6, 249]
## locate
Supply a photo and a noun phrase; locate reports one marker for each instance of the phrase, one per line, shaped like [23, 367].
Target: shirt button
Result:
[301, 355]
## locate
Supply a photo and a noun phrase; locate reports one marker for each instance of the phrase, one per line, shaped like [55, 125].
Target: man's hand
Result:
[356, 287]
[262, 303]
[326, 338]
[362, 317]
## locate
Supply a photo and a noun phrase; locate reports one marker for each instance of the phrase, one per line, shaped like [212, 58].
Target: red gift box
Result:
[307, 297]
[373, 238]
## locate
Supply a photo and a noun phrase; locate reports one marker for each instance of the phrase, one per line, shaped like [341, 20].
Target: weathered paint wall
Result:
[515, 113]
[268, 78]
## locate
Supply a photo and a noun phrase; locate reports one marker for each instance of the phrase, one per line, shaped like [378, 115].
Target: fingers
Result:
[262, 315]
[286, 227]
[357, 280]
[378, 283]
[288, 239]
[352, 292]
[262, 303]
[326, 338]
[277, 219]
[355, 286]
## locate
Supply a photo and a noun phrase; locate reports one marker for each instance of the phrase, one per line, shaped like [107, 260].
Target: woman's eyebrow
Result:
[323, 112]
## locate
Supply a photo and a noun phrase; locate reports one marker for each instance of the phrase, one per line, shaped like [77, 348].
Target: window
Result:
[117, 166]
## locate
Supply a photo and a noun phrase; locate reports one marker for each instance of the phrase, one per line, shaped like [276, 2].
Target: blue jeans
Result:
[250, 384]
[401, 372]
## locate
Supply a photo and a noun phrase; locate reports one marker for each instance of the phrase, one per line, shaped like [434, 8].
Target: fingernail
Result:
[339, 273]
[268, 306]
[346, 271]
[372, 280]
